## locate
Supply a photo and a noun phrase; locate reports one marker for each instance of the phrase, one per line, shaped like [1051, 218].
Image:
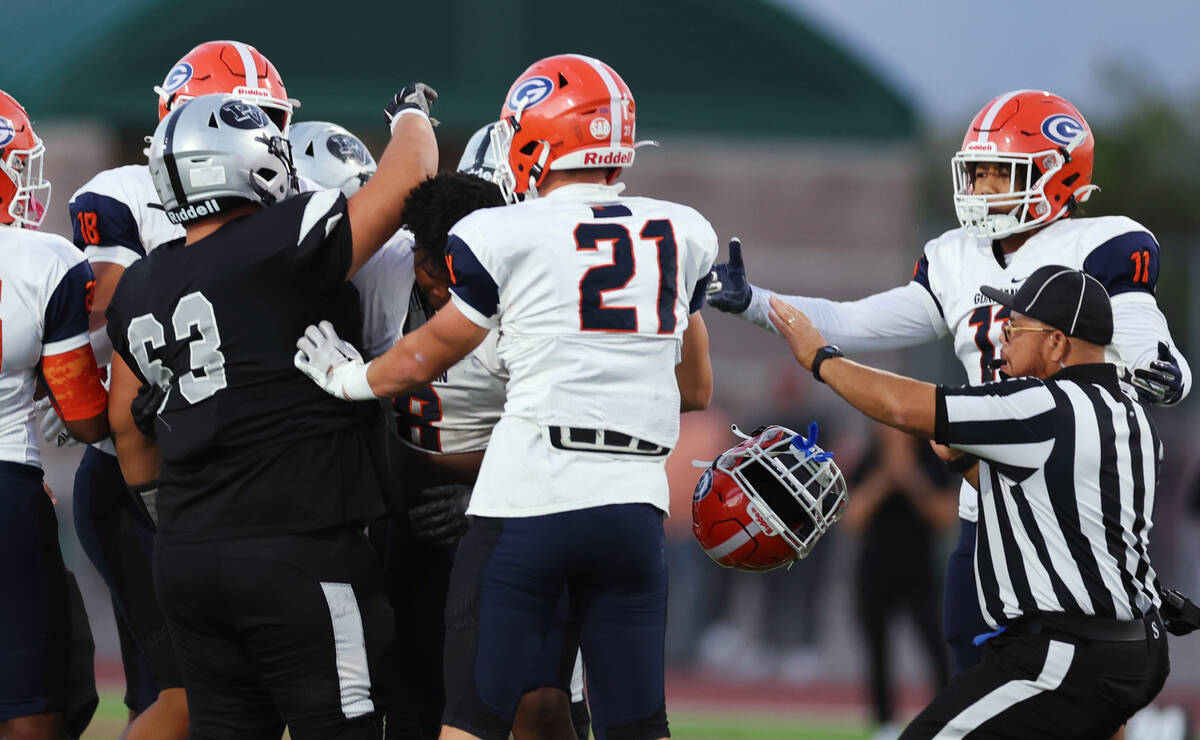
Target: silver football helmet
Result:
[216, 152]
[480, 158]
[331, 156]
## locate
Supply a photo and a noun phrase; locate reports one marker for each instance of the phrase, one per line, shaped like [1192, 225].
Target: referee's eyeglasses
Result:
[1009, 330]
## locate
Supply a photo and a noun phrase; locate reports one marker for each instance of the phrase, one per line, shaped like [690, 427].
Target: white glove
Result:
[52, 428]
[333, 363]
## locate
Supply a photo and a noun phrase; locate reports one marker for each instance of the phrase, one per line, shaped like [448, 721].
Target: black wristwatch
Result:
[823, 354]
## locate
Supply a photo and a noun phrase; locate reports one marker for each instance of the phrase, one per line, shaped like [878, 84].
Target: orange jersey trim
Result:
[74, 383]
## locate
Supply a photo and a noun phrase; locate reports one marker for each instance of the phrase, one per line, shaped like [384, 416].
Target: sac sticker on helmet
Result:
[240, 114]
[177, 77]
[529, 93]
[1062, 129]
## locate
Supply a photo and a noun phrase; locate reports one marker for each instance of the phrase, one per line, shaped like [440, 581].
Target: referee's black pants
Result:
[1052, 677]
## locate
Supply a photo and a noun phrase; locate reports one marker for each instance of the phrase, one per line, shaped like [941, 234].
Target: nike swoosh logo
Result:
[1019, 280]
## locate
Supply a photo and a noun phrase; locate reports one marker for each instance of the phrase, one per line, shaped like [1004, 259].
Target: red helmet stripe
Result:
[990, 117]
[247, 63]
[616, 108]
[744, 535]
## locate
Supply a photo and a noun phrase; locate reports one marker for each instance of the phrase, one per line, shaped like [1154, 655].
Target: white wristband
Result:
[403, 111]
[354, 383]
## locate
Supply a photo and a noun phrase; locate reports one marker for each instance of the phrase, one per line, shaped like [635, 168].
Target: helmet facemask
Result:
[31, 199]
[791, 479]
[268, 183]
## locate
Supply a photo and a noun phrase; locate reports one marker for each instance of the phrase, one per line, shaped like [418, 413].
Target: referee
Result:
[1068, 466]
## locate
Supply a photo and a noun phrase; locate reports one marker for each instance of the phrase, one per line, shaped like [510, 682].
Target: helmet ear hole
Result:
[266, 173]
[529, 148]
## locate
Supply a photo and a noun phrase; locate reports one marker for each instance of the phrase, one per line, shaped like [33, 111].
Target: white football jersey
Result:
[44, 282]
[455, 413]
[384, 285]
[1117, 251]
[591, 293]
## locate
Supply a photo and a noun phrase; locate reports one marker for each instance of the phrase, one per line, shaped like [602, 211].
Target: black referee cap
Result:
[1070, 300]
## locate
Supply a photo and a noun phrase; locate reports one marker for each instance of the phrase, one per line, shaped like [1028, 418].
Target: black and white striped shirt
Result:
[1068, 472]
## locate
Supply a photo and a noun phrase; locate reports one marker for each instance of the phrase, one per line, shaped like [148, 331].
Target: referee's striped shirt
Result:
[1068, 472]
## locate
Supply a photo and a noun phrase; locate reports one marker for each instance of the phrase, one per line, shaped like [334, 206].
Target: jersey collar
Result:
[586, 191]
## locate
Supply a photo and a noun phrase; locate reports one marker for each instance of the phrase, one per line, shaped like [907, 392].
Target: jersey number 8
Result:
[145, 333]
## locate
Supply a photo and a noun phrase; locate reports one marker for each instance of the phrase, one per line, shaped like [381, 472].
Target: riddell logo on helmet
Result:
[193, 212]
[614, 159]
[253, 92]
[981, 146]
[760, 520]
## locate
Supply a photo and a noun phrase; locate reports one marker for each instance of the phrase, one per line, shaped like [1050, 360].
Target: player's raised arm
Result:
[377, 209]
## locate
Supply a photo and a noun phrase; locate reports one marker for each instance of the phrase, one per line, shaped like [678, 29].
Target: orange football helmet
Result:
[1049, 148]
[227, 67]
[565, 112]
[24, 193]
[766, 502]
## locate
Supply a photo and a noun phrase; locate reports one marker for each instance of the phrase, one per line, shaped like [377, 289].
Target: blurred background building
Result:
[819, 131]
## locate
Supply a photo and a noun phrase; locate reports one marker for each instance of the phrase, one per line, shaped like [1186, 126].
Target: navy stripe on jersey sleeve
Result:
[921, 275]
[100, 220]
[1125, 264]
[698, 293]
[67, 310]
[469, 280]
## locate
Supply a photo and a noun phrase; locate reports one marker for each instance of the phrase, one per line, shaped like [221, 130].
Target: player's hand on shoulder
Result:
[144, 408]
[413, 96]
[728, 288]
[332, 363]
[1161, 382]
[441, 516]
[52, 427]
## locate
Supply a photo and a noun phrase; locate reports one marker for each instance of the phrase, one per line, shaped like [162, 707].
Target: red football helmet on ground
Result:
[24, 193]
[766, 502]
[227, 67]
[565, 112]
[1048, 146]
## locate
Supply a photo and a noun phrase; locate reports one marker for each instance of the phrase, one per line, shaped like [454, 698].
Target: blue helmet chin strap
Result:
[809, 446]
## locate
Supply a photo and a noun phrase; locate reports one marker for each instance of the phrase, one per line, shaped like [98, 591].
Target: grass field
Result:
[685, 725]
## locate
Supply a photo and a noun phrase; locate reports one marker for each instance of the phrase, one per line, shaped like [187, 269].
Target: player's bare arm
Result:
[137, 454]
[901, 402]
[376, 210]
[694, 371]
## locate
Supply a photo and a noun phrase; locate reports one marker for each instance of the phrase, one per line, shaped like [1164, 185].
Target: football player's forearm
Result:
[137, 455]
[694, 373]
[1138, 327]
[889, 320]
[377, 209]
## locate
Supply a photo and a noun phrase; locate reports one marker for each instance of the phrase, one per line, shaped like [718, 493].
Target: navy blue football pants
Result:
[962, 619]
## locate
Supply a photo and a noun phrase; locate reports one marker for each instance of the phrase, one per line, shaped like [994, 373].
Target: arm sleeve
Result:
[696, 302]
[68, 364]
[1138, 327]
[472, 287]
[1010, 422]
[900, 317]
[105, 229]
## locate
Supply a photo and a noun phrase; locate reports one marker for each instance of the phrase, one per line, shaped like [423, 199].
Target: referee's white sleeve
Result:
[1138, 327]
[1009, 422]
[900, 317]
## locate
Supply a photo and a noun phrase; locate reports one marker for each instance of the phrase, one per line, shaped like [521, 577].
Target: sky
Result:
[953, 56]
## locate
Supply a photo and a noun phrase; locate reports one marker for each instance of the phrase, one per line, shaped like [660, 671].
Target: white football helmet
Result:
[480, 157]
[215, 152]
[330, 156]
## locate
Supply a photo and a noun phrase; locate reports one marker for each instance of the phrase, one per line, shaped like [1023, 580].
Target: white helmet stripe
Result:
[994, 111]
[616, 108]
[247, 63]
[743, 535]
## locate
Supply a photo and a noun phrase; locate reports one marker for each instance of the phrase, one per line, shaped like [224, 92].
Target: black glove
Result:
[1160, 384]
[413, 95]
[728, 289]
[1179, 614]
[441, 517]
[145, 408]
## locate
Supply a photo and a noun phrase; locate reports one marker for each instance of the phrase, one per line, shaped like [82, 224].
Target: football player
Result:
[45, 288]
[272, 594]
[117, 219]
[601, 358]
[1024, 168]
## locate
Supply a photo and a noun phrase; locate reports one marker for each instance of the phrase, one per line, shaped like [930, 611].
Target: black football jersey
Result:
[249, 444]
